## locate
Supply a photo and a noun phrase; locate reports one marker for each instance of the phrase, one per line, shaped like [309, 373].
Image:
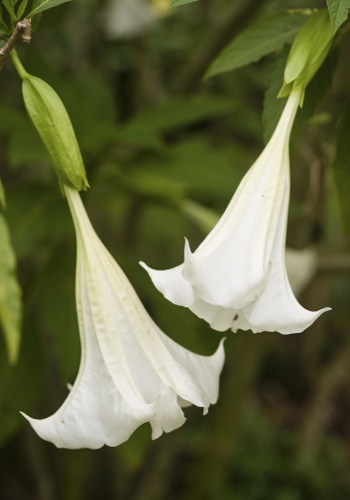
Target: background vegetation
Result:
[162, 148]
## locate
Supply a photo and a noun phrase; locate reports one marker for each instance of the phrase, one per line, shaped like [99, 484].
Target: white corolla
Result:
[130, 371]
[237, 277]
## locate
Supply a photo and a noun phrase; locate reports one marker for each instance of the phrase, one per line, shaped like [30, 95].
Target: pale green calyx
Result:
[308, 52]
[53, 124]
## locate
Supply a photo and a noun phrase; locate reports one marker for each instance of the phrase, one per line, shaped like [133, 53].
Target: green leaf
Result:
[41, 5]
[265, 36]
[177, 3]
[187, 170]
[338, 12]
[273, 106]
[21, 9]
[91, 88]
[178, 112]
[4, 30]
[9, 6]
[10, 295]
[341, 169]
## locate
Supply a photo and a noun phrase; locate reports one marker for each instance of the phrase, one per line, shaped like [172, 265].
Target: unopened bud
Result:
[52, 122]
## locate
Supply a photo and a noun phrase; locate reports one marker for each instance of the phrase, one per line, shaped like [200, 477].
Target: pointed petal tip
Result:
[31, 420]
[187, 252]
[144, 265]
[187, 246]
[303, 327]
[25, 416]
[221, 349]
[171, 283]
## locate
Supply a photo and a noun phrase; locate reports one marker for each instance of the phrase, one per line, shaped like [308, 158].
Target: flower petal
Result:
[91, 415]
[172, 284]
[287, 315]
[130, 371]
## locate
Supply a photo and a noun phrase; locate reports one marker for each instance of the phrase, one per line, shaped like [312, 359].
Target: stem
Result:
[18, 65]
[22, 29]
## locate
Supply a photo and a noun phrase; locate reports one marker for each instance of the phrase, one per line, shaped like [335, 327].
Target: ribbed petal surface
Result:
[130, 371]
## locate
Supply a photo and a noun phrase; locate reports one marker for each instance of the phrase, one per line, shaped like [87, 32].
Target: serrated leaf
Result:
[338, 12]
[341, 169]
[177, 3]
[10, 295]
[273, 106]
[41, 5]
[267, 35]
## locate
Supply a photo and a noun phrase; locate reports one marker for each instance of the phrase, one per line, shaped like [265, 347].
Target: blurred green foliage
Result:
[163, 162]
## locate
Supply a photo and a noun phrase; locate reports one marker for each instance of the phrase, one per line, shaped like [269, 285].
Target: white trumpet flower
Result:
[130, 371]
[237, 277]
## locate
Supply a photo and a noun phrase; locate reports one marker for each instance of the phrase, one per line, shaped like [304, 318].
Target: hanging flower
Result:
[130, 371]
[237, 277]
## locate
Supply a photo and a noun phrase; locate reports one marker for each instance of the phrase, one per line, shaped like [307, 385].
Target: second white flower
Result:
[237, 277]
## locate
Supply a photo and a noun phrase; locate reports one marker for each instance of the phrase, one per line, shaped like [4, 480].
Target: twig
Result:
[231, 23]
[22, 30]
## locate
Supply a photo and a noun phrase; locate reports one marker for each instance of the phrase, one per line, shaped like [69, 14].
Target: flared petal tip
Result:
[298, 325]
[302, 326]
[39, 426]
[171, 284]
[26, 416]
[47, 430]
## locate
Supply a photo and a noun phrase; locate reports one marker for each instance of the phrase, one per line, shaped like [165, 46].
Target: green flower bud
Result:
[308, 51]
[53, 124]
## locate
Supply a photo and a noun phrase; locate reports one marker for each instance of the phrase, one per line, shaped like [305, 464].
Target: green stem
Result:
[18, 65]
